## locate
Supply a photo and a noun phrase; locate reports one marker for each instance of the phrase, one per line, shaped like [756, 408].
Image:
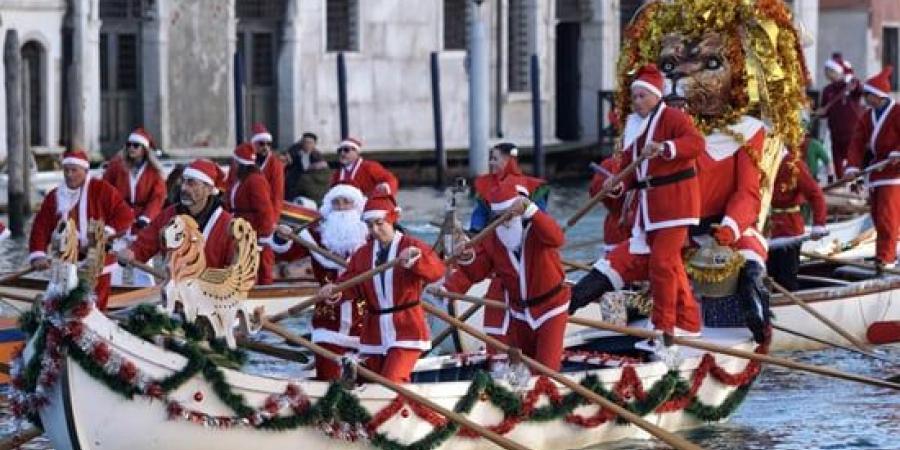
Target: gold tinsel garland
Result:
[769, 75]
[711, 274]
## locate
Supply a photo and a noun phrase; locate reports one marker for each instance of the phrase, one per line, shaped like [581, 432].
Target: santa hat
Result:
[381, 207]
[508, 148]
[142, 137]
[837, 64]
[344, 190]
[260, 133]
[205, 171]
[76, 157]
[649, 78]
[244, 154]
[880, 84]
[353, 143]
[503, 196]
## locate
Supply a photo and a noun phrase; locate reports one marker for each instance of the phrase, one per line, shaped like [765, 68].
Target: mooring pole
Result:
[539, 167]
[478, 93]
[342, 95]
[440, 155]
[15, 139]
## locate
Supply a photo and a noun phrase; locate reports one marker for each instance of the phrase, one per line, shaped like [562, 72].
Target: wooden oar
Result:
[873, 168]
[157, 273]
[271, 350]
[710, 347]
[670, 438]
[828, 322]
[614, 181]
[365, 276]
[19, 439]
[407, 393]
[12, 276]
[313, 247]
[830, 344]
[19, 297]
[578, 265]
[859, 264]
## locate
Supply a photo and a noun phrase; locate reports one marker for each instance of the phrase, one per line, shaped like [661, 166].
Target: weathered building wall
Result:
[845, 31]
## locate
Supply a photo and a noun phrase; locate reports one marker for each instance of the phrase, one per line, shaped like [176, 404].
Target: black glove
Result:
[754, 299]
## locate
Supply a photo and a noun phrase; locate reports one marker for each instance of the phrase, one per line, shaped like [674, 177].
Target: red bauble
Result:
[404, 413]
[100, 353]
[128, 371]
[198, 396]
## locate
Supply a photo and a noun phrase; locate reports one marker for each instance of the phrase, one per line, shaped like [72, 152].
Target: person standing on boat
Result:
[367, 175]
[668, 202]
[199, 198]
[342, 232]
[794, 186]
[877, 138]
[619, 210]
[137, 175]
[248, 198]
[394, 332]
[81, 198]
[840, 104]
[503, 165]
[523, 254]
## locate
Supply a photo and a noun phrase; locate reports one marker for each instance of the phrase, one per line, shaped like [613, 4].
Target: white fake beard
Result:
[66, 199]
[343, 232]
[510, 233]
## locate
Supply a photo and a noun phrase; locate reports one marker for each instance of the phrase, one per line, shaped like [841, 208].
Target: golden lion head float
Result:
[722, 59]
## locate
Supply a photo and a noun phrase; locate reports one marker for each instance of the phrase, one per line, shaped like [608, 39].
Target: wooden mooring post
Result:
[17, 188]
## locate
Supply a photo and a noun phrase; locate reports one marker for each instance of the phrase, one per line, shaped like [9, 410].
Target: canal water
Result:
[785, 410]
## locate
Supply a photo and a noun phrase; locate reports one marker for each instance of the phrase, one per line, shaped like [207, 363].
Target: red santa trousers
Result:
[396, 365]
[673, 301]
[266, 264]
[101, 290]
[886, 214]
[326, 369]
[545, 344]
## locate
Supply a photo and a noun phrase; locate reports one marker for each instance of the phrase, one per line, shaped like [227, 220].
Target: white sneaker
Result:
[687, 334]
[670, 356]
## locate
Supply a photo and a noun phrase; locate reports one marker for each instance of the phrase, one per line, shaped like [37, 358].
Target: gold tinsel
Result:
[769, 75]
[711, 274]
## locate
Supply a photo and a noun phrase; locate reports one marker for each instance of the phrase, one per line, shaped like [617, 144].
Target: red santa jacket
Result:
[536, 276]
[219, 245]
[365, 175]
[398, 289]
[335, 324]
[794, 186]
[272, 170]
[674, 203]
[730, 184]
[99, 201]
[249, 199]
[619, 210]
[144, 191]
[880, 138]
[844, 113]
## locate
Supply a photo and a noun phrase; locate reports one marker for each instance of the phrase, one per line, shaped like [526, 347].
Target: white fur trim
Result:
[641, 83]
[261, 137]
[374, 214]
[887, 182]
[138, 139]
[850, 171]
[35, 255]
[603, 266]
[535, 323]
[110, 231]
[503, 205]
[386, 187]
[530, 211]
[874, 90]
[346, 191]
[720, 145]
[195, 174]
[281, 248]
[833, 65]
[246, 162]
[514, 152]
[320, 335]
[76, 162]
[894, 154]
[5, 234]
[727, 221]
[669, 150]
[819, 229]
[349, 143]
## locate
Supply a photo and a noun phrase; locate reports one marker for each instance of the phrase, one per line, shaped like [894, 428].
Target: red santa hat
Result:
[381, 207]
[244, 154]
[351, 142]
[503, 196]
[343, 190]
[205, 171]
[838, 64]
[260, 133]
[142, 137]
[880, 84]
[649, 78]
[76, 157]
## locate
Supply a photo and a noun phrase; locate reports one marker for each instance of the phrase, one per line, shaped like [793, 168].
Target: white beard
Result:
[510, 233]
[66, 199]
[343, 232]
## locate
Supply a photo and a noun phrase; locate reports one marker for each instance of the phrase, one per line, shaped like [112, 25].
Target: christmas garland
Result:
[339, 413]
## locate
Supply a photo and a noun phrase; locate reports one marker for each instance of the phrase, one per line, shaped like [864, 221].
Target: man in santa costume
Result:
[81, 198]
[248, 198]
[877, 138]
[840, 104]
[619, 210]
[342, 232]
[199, 198]
[368, 176]
[137, 175]
[523, 254]
[503, 165]
[668, 203]
[794, 186]
[271, 166]
[394, 332]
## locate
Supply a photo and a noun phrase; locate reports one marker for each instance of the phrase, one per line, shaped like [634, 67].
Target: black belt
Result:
[394, 309]
[534, 301]
[705, 225]
[652, 182]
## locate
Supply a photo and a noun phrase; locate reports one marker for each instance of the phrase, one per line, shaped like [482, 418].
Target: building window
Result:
[890, 52]
[342, 25]
[518, 45]
[124, 9]
[456, 24]
[573, 10]
[260, 9]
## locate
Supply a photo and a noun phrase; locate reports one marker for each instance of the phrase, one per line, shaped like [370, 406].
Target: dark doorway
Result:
[258, 36]
[568, 81]
[33, 86]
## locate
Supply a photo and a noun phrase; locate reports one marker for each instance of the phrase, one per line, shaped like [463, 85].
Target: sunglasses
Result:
[264, 144]
[345, 149]
[133, 145]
